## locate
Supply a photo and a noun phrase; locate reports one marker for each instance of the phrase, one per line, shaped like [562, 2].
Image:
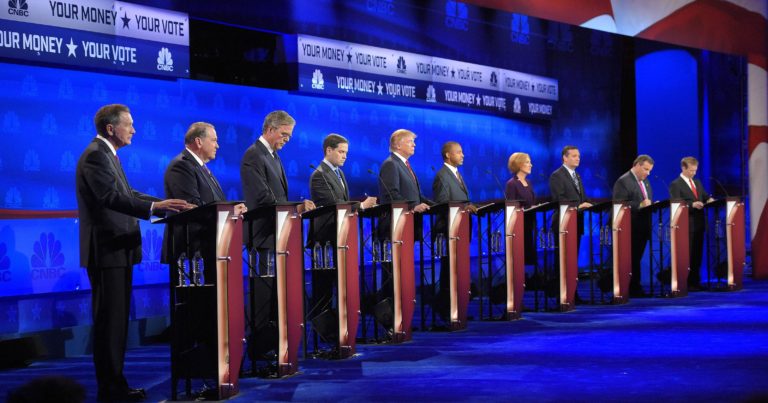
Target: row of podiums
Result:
[208, 304]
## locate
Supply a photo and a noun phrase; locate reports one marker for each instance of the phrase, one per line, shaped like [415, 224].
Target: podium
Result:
[734, 238]
[453, 228]
[679, 248]
[621, 230]
[288, 273]
[397, 237]
[345, 221]
[207, 323]
[542, 281]
[515, 258]
[568, 255]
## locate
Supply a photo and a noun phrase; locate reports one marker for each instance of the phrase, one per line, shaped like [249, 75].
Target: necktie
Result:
[642, 189]
[693, 188]
[408, 164]
[461, 180]
[575, 180]
[338, 175]
[215, 183]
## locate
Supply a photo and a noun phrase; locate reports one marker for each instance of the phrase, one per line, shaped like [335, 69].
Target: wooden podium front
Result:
[679, 248]
[207, 321]
[622, 251]
[515, 258]
[458, 257]
[345, 218]
[289, 265]
[568, 255]
[402, 271]
[734, 235]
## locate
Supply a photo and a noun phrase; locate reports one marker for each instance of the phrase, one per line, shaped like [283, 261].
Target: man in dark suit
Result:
[691, 190]
[188, 178]
[448, 186]
[263, 177]
[565, 186]
[110, 244]
[264, 185]
[635, 188]
[328, 186]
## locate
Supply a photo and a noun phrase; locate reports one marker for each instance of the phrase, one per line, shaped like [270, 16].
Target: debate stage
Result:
[709, 346]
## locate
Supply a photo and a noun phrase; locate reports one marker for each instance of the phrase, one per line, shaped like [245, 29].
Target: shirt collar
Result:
[199, 161]
[111, 147]
[570, 171]
[329, 164]
[452, 168]
[400, 156]
[269, 148]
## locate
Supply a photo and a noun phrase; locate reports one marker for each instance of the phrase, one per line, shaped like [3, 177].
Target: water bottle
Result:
[718, 229]
[376, 250]
[541, 236]
[497, 241]
[608, 235]
[551, 239]
[328, 255]
[200, 268]
[386, 253]
[197, 263]
[317, 256]
[181, 266]
[252, 263]
[270, 263]
[439, 252]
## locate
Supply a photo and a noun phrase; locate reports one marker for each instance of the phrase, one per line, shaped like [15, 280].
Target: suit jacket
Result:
[325, 190]
[563, 189]
[447, 188]
[186, 179]
[108, 209]
[397, 183]
[679, 189]
[626, 188]
[264, 184]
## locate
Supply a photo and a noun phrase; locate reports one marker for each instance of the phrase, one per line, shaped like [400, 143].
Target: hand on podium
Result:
[368, 202]
[645, 203]
[172, 205]
[240, 209]
[420, 208]
[698, 205]
[585, 205]
[471, 208]
[307, 205]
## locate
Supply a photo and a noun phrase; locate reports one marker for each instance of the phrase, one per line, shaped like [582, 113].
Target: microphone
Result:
[328, 185]
[498, 182]
[389, 193]
[720, 185]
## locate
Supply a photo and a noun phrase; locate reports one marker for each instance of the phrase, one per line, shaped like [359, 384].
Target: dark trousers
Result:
[640, 238]
[263, 309]
[696, 245]
[111, 303]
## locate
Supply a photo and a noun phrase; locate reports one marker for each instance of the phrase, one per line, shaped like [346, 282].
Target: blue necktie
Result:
[338, 175]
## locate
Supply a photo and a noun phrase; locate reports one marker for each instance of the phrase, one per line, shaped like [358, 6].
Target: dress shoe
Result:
[128, 395]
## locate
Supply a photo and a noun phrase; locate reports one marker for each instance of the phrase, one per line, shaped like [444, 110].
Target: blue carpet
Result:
[709, 346]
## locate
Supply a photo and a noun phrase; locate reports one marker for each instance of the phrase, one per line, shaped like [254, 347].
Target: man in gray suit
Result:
[110, 244]
[635, 188]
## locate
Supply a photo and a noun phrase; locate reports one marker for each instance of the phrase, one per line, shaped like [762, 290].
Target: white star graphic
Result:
[379, 87]
[478, 99]
[71, 48]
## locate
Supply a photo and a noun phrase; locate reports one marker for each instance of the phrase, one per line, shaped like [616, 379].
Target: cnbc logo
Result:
[431, 96]
[494, 79]
[401, 68]
[18, 7]
[164, 60]
[317, 80]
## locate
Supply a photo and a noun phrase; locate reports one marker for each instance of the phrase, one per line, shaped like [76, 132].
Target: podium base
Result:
[620, 300]
[512, 315]
[567, 307]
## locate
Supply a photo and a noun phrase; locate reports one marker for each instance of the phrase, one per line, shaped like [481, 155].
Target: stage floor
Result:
[709, 346]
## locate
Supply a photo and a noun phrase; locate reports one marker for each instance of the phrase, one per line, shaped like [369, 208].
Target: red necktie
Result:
[642, 189]
[693, 188]
[410, 169]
